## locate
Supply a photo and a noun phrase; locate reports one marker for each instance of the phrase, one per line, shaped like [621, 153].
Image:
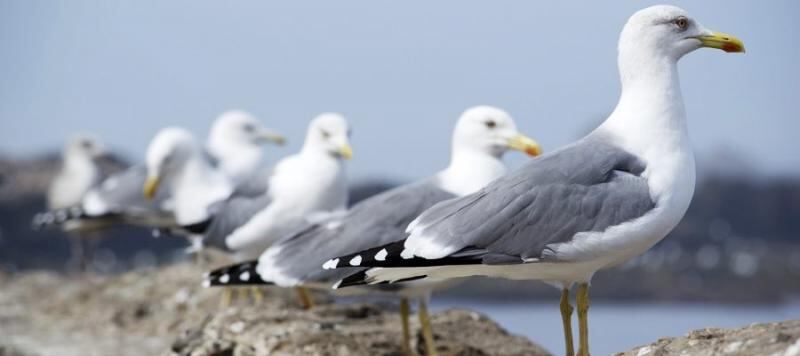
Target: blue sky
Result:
[402, 72]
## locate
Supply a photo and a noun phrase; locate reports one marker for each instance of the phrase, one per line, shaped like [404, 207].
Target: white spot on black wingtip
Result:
[244, 276]
[206, 283]
[406, 254]
[381, 255]
[336, 285]
[225, 278]
[331, 264]
[356, 261]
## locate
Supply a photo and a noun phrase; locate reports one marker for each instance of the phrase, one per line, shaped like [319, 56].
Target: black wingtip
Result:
[242, 274]
[388, 255]
[359, 278]
[56, 218]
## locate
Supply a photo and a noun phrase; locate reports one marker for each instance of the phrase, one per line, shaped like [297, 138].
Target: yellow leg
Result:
[258, 295]
[566, 320]
[404, 311]
[305, 298]
[583, 320]
[427, 332]
[227, 296]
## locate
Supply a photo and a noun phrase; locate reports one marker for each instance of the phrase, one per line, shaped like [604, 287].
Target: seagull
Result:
[233, 146]
[78, 172]
[591, 205]
[175, 159]
[307, 186]
[480, 138]
[77, 176]
[235, 142]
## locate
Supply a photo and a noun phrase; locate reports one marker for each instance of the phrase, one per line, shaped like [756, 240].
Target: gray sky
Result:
[401, 71]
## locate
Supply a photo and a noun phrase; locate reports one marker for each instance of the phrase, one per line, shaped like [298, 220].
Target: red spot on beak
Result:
[731, 48]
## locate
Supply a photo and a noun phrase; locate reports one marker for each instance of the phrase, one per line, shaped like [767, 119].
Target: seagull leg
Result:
[77, 262]
[427, 332]
[305, 298]
[404, 311]
[227, 296]
[258, 296]
[566, 319]
[583, 320]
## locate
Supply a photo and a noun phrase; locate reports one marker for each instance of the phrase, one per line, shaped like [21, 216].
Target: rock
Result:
[329, 330]
[778, 339]
[166, 311]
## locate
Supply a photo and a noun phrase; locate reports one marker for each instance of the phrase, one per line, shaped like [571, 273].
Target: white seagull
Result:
[78, 172]
[480, 138]
[301, 186]
[588, 206]
[234, 146]
[77, 176]
[235, 142]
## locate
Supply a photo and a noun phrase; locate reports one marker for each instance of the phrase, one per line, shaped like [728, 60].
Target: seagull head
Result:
[169, 150]
[85, 145]
[329, 133]
[492, 131]
[670, 32]
[237, 127]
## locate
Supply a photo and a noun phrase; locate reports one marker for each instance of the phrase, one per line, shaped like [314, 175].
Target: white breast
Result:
[299, 187]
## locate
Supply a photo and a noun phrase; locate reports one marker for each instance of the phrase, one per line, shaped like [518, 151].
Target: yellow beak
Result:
[723, 41]
[525, 144]
[346, 151]
[273, 137]
[151, 187]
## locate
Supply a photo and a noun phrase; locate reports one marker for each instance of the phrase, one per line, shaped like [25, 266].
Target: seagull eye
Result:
[249, 128]
[490, 124]
[325, 134]
[682, 23]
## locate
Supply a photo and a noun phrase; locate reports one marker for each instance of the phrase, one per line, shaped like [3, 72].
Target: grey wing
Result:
[229, 215]
[121, 194]
[378, 220]
[256, 184]
[588, 186]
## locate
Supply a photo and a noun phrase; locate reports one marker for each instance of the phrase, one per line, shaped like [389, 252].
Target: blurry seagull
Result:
[234, 147]
[77, 176]
[78, 172]
[302, 187]
[480, 138]
[588, 206]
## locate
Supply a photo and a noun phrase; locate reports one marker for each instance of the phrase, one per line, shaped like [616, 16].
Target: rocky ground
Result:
[774, 339]
[167, 312]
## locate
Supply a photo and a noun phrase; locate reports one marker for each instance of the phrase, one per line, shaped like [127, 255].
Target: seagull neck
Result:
[470, 170]
[237, 160]
[650, 112]
[314, 152]
[79, 163]
[650, 122]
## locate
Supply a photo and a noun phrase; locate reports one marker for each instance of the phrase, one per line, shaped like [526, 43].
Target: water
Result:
[620, 327]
